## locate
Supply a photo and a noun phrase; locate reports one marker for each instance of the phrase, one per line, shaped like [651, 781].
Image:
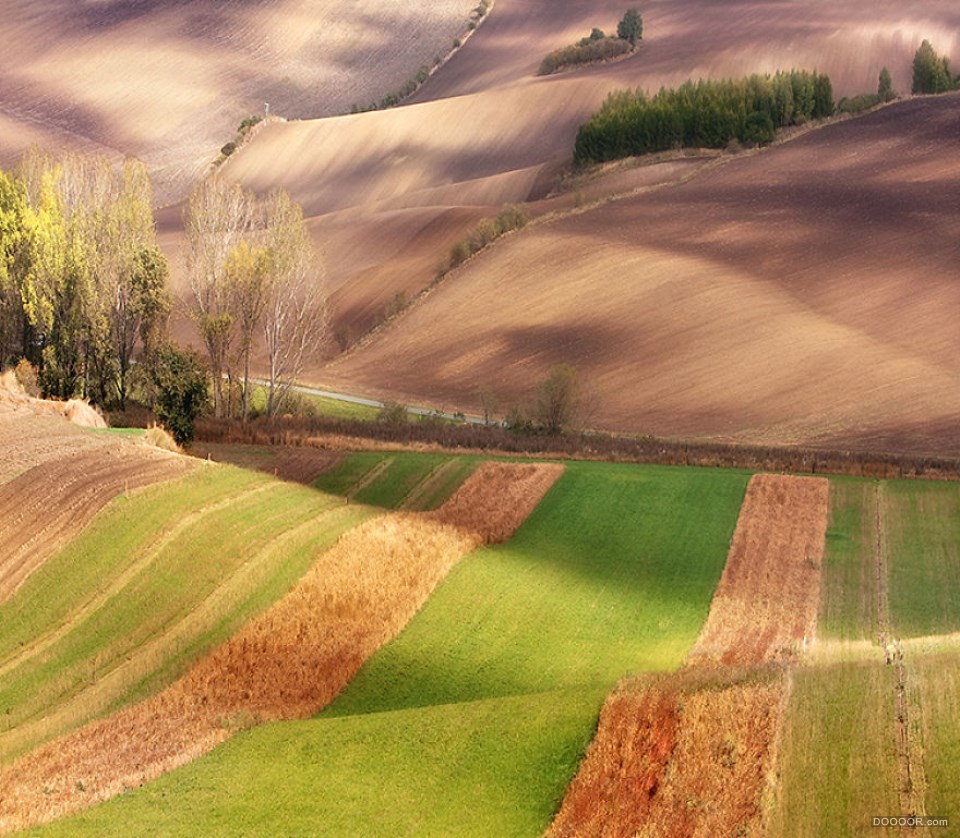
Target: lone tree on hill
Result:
[557, 401]
[931, 73]
[885, 91]
[630, 27]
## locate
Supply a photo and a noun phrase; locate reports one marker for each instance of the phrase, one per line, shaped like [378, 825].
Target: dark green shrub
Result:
[931, 73]
[228, 149]
[630, 27]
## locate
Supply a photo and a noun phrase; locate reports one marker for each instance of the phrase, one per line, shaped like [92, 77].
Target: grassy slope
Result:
[458, 727]
[923, 541]
[403, 474]
[839, 759]
[157, 578]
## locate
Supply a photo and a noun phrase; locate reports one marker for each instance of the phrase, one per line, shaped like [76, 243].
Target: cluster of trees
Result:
[931, 72]
[254, 278]
[596, 46]
[487, 231]
[82, 281]
[705, 114]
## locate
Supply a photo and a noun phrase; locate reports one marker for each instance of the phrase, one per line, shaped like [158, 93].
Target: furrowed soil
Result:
[357, 596]
[693, 753]
[49, 504]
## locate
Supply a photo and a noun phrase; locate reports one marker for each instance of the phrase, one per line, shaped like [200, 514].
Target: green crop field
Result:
[473, 720]
[390, 480]
[156, 579]
[483, 705]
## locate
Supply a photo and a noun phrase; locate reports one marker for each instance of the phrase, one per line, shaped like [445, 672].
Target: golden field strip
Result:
[287, 663]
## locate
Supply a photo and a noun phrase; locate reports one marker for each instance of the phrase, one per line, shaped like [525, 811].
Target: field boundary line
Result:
[370, 477]
[147, 555]
[909, 752]
[428, 482]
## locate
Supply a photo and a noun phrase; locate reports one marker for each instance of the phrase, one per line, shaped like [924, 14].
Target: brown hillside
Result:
[801, 294]
[169, 82]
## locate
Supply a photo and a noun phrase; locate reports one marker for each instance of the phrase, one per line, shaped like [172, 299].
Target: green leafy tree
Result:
[182, 384]
[630, 27]
[931, 73]
[247, 275]
[885, 91]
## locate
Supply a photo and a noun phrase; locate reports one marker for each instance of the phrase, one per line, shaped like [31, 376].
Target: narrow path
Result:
[428, 483]
[369, 477]
[912, 782]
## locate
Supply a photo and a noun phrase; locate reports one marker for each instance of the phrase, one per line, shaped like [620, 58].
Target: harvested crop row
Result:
[498, 498]
[287, 663]
[690, 754]
[48, 505]
[766, 602]
[685, 756]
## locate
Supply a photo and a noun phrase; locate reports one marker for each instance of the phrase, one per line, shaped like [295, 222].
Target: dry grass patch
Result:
[497, 498]
[687, 755]
[287, 663]
[767, 599]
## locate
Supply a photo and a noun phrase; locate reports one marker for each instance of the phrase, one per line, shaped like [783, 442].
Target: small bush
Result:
[392, 413]
[26, 373]
[228, 149]
[160, 438]
[585, 52]
[487, 231]
[858, 104]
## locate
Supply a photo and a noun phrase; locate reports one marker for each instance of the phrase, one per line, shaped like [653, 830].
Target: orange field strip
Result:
[766, 602]
[691, 754]
[287, 663]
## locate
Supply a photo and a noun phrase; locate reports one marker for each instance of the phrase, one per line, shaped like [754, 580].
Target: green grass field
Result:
[388, 480]
[156, 579]
[838, 762]
[472, 721]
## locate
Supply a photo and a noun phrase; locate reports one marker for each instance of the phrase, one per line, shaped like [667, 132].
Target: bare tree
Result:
[217, 217]
[295, 318]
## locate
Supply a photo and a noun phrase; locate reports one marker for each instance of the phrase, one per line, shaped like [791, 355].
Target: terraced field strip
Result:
[112, 587]
[118, 536]
[398, 480]
[50, 504]
[286, 663]
[189, 568]
[690, 754]
[471, 721]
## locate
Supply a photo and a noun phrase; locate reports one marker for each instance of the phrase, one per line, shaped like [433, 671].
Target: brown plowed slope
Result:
[802, 294]
[485, 130]
[170, 81]
[47, 505]
[766, 601]
[287, 663]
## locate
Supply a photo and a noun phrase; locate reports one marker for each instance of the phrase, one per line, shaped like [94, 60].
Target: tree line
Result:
[84, 285]
[703, 114]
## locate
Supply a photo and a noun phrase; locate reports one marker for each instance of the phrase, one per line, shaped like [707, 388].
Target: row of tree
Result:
[931, 72]
[254, 280]
[83, 284]
[703, 114]
[82, 281]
